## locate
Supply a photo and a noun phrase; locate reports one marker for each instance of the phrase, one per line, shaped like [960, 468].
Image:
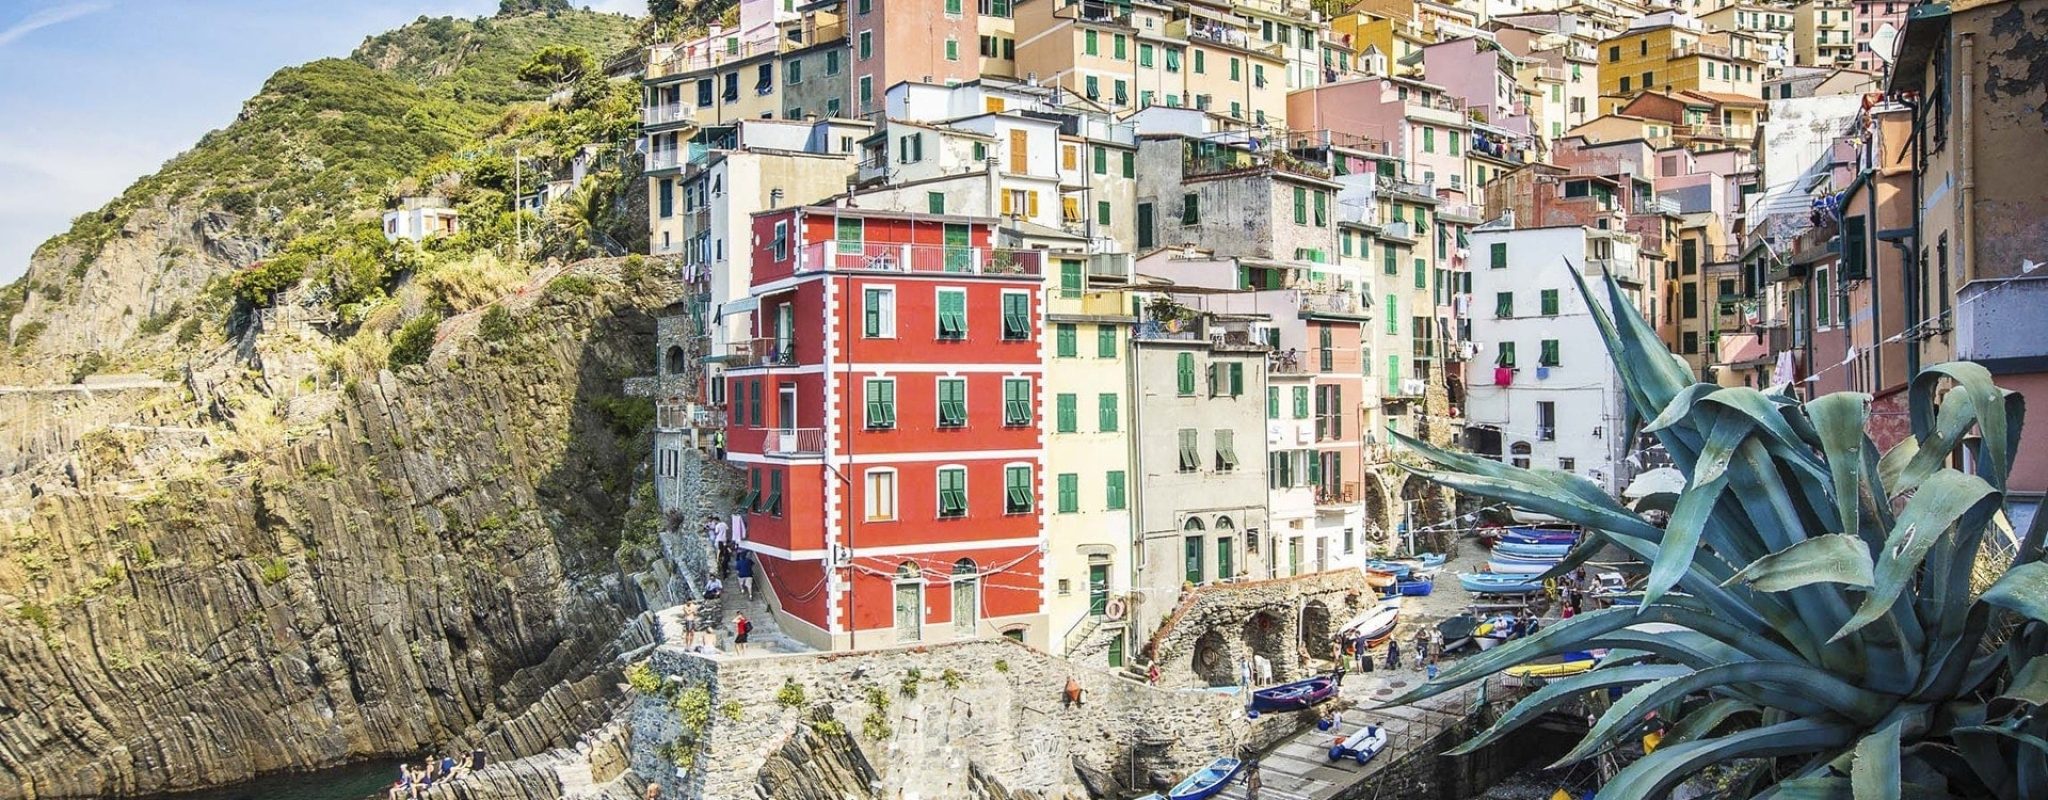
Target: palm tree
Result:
[1818, 614]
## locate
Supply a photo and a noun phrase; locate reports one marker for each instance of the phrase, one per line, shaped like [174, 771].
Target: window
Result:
[1226, 450]
[1190, 459]
[1192, 548]
[1624, 84]
[1130, 164]
[1823, 300]
[1090, 43]
[1326, 352]
[952, 492]
[878, 312]
[1457, 147]
[1429, 140]
[952, 313]
[1102, 212]
[1550, 302]
[1106, 415]
[1498, 253]
[881, 403]
[1172, 63]
[1503, 304]
[935, 202]
[1065, 335]
[1300, 206]
[1105, 341]
[1389, 263]
[1114, 490]
[1190, 208]
[1506, 358]
[1185, 368]
[1200, 67]
[1067, 413]
[952, 49]
[1016, 401]
[1548, 357]
[1322, 210]
[1069, 493]
[1226, 379]
[831, 62]
[1093, 86]
[1272, 402]
[1614, 53]
[1118, 50]
[866, 46]
[1690, 342]
[1016, 316]
[1546, 421]
[752, 500]
[1567, 464]
[1017, 493]
[1393, 306]
[1144, 54]
[1421, 273]
[1301, 402]
[952, 402]
[1690, 292]
[880, 496]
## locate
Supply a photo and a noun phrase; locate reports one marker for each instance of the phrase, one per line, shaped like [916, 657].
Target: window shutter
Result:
[1236, 379]
[1067, 413]
[1106, 412]
[1272, 402]
[1504, 304]
[1301, 402]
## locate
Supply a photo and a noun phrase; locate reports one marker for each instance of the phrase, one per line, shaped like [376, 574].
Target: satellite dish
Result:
[1883, 42]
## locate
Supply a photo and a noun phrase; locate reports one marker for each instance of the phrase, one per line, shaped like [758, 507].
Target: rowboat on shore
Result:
[1208, 781]
[1295, 696]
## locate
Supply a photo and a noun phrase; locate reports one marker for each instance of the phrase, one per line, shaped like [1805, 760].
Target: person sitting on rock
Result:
[713, 588]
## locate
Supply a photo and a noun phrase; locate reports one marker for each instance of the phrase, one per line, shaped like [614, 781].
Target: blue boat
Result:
[1495, 583]
[1416, 588]
[1295, 696]
[1208, 781]
[1543, 550]
[1395, 568]
[1539, 536]
[1424, 561]
[1515, 558]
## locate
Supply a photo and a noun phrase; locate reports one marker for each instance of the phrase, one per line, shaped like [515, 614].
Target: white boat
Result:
[1361, 745]
[1375, 623]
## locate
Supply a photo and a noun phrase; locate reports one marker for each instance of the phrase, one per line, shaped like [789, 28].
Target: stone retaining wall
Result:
[991, 706]
[1255, 617]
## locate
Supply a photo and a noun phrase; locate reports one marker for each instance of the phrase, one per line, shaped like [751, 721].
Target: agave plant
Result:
[1816, 614]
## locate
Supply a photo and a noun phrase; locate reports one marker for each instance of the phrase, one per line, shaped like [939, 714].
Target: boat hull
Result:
[1208, 781]
[1295, 696]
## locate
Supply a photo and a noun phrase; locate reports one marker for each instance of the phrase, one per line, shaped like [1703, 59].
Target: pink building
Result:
[1484, 79]
[1424, 124]
[1872, 16]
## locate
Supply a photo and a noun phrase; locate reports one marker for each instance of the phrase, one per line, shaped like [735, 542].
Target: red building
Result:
[886, 412]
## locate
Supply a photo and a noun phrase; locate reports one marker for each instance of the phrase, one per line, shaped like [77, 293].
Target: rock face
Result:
[395, 563]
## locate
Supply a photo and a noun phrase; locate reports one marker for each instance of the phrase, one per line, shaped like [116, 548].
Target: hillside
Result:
[325, 497]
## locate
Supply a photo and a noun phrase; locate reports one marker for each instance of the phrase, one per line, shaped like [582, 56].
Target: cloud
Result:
[47, 17]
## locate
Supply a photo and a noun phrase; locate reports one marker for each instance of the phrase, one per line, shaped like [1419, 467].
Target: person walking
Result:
[1393, 654]
[741, 627]
[743, 571]
[718, 443]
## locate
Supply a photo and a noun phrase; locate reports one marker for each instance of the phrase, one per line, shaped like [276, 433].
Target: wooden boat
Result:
[1208, 781]
[1416, 588]
[1395, 568]
[1361, 745]
[1528, 550]
[1374, 624]
[1538, 536]
[1522, 568]
[1424, 561]
[1457, 631]
[1378, 579]
[1498, 583]
[1493, 632]
[1295, 696]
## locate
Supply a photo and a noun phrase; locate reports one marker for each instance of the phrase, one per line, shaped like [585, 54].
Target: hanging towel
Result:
[1503, 376]
[1542, 373]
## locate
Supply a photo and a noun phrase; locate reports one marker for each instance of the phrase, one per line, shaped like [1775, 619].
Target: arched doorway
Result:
[1266, 635]
[966, 598]
[1212, 662]
[909, 603]
[673, 361]
[1315, 630]
[1379, 519]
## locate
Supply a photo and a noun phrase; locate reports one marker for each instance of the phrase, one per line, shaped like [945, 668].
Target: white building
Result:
[1543, 392]
[417, 218]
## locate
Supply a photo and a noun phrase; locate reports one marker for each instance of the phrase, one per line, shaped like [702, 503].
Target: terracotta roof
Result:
[1727, 99]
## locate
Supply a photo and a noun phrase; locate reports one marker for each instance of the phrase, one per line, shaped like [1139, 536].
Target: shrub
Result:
[627, 416]
[260, 283]
[875, 726]
[414, 340]
[88, 365]
[28, 332]
[572, 286]
[188, 331]
[791, 695]
[732, 710]
[274, 571]
[158, 323]
[950, 678]
[641, 679]
[497, 325]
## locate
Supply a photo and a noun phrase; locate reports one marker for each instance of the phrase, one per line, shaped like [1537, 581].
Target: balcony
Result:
[666, 159]
[1204, 29]
[702, 54]
[760, 352]
[1656, 205]
[1116, 267]
[1289, 362]
[883, 257]
[1701, 49]
[1292, 8]
[1408, 187]
[789, 442]
[1341, 494]
[1461, 212]
[871, 170]
[1329, 302]
[667, 114]
[1102, 12]
[1398, 230]
[1205, 159]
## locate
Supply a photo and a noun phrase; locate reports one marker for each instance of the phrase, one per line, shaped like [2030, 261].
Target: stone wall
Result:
[1216, 626]
[1423, 773]
[984, 713]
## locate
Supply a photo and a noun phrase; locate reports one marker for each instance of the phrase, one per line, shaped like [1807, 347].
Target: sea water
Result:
[364, 781]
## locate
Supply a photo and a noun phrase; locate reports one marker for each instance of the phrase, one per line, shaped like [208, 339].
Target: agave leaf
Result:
[1875, 775]
[1988, 401]
[2030, 684]
[1817, 787]
[1705, 719]
[1559, 692]
[1680, 408]
[1840, 418]
[1656, 773]
[1682, 533]
[2030, 543]
[2007, 731]
[1931, 453]
[1891, 467]
[1834, 558]
[1753, 404]
[2022, 590]
[1816, 684]
[1588, 547]
[1944, 498]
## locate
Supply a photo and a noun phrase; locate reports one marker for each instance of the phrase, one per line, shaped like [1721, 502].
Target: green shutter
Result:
[1393, 315]
[1503, 304]
[1105, 341]
[1387, 264]
[1070, 492]
[1236, 378]
[871, 313]
[1102, 212]
[1301, 402]
[1272, 402]
[1300, 206]
[1067, 413]
[1130, 165]
[1070, 277]
[1226, 449]
[1499, 255]
[1115, 490]
[1189, 459]
[1016, 316]
[1549, 357]
[1507, 355]
[952, 402]
[850, 233]
[1016, 401]
[1421, 273]
[881, 402]
[952, 315]
[1107, 416]
[1186, 369]
[935, 202]
[1101, 159]
[1065, 336]
[1017, 490]
[1550, 302]
[952, 492]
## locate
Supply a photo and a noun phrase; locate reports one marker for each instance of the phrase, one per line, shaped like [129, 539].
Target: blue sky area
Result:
[97, 93]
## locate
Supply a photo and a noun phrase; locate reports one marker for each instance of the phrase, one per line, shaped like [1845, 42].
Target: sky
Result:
[97, 93]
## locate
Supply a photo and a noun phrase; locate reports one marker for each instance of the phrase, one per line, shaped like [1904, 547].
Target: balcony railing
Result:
[761, 352]
[1464, 211]
[1408, 187]
[1331, 303]
[1398, 230]
[1199, 159]
[666, 159]
[1701, 48]
[880, 257]
[793, 441]
[1287, 362]
[1340, 494]
[1103, 11]
[1656, 205]
[665, 113]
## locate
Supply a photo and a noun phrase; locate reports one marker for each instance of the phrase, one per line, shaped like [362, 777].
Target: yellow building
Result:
[1393, 38]
[1678, 56]
[1091, 488]
[1133, 56]
[1820, 34]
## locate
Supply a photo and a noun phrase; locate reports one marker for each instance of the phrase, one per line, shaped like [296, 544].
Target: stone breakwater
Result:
[982, 719]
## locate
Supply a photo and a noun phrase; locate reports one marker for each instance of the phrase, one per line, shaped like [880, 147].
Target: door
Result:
[959, 249]
[1294, 556]
[785, 334]
[1020, 151]
[1226, 558]
[785, 416]
[1322, 554]
[1098, 589]
[1145, 237]
[966, 606]
[909, 611]
[1116, 651]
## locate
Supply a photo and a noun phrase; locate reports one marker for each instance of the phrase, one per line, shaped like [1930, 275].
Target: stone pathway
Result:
[767, 638]
[1300, 768]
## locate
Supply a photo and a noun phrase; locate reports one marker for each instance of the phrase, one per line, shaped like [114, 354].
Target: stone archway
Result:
[1315, 630]
[1268, 634]
[1211, 660]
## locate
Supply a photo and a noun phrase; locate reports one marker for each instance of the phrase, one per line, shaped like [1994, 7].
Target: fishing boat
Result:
[1457, 631]
[1375, 624]
[1395, 568]
[1424, 561]
[1493, 632]
[1571, 663]
[1498, 583]
[1378, 579]
[1419, 587]
[1361, 745]
[1513, 558]
[1523, 568]
[1538, 536]
[1295, 696]
[1607, 584]
[1542, 550]
[1208, 781]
